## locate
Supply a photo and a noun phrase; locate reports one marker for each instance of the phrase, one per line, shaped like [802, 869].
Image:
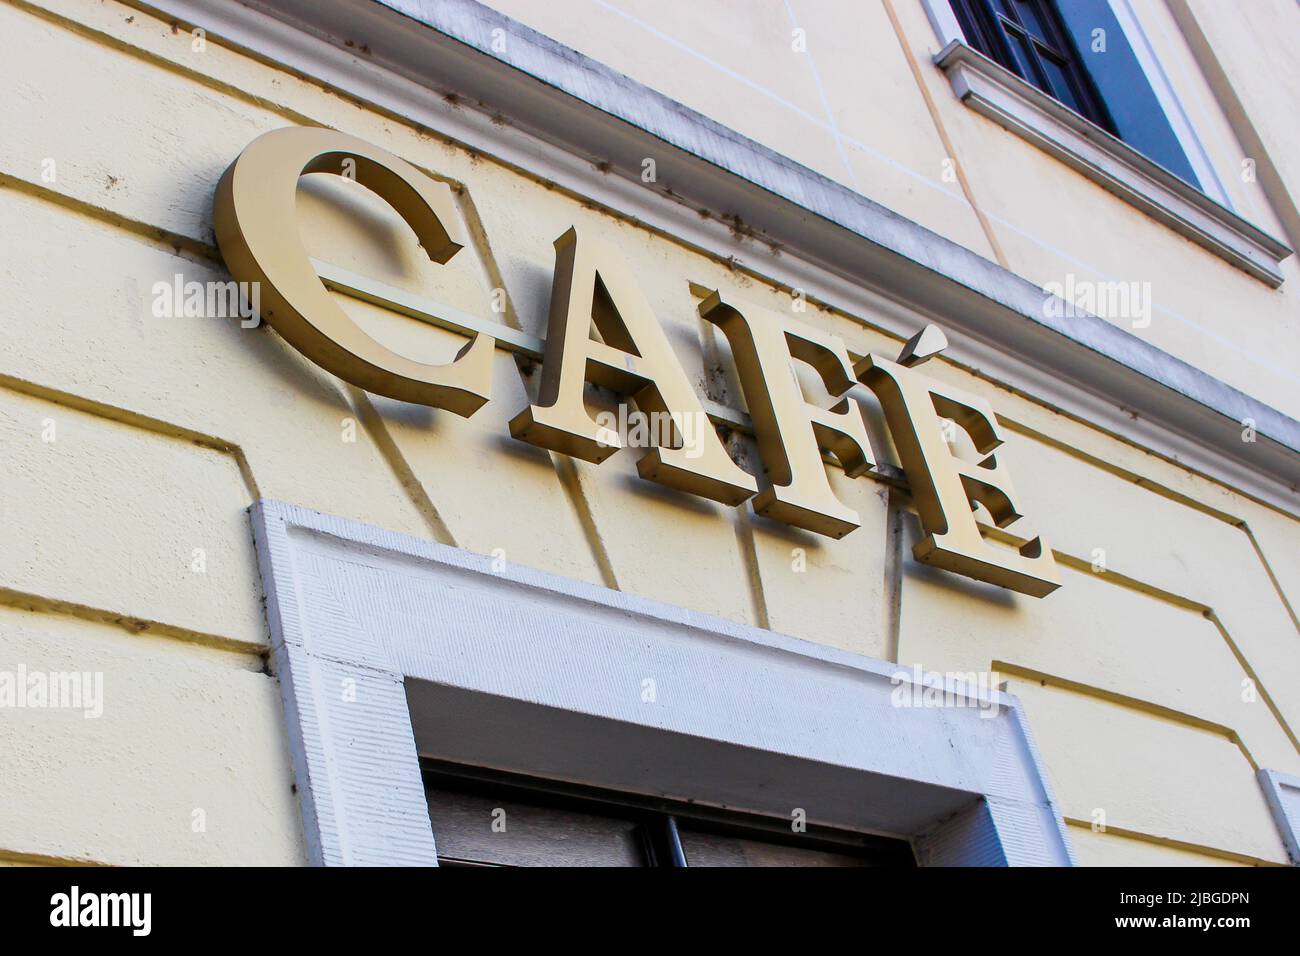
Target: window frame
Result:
[986, 23]
[658, 819]
[1204, 217]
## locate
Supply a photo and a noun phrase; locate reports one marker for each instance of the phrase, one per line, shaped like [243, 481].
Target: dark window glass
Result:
[721, 849]
[485, 818]
[501, 829]
[1032, 19]
[1058, 76]
[1028, 38]
[1077, 52]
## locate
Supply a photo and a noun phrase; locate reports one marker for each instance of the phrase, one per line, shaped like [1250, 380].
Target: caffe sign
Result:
[257, 231]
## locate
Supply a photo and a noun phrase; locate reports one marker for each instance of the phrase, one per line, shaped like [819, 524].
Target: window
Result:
[485, 818]
[1028, 38]
[1081, 80]
[1077, 53]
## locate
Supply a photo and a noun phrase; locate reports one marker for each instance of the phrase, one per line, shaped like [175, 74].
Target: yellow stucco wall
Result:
[167, 428]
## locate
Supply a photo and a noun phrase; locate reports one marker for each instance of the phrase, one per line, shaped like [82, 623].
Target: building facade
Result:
[782, 432]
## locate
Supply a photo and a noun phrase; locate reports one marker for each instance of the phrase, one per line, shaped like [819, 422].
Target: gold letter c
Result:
[257, 230]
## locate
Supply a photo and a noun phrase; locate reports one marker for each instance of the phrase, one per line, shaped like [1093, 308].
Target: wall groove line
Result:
[1132, 703]
[40, 604]
[135, 419]
[1172, 844]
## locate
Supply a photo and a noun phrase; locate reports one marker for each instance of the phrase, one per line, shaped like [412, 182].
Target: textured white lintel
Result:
[357, 612]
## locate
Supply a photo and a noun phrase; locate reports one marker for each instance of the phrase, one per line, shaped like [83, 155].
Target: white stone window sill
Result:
[994, 91]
